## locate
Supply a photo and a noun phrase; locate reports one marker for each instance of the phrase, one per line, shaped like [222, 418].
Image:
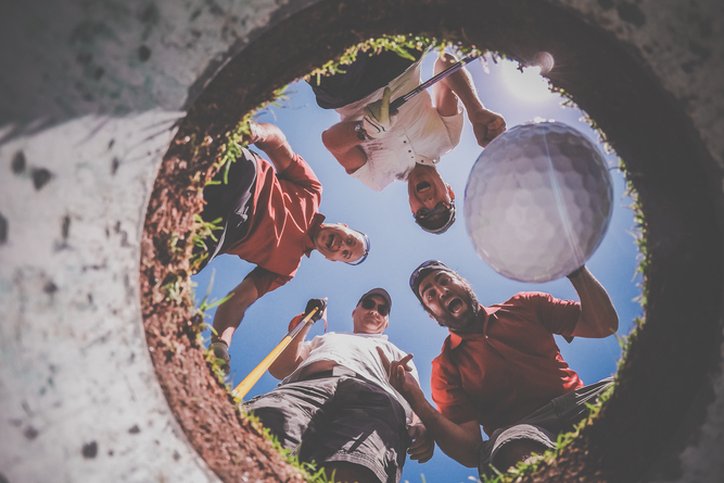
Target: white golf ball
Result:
[538, 201]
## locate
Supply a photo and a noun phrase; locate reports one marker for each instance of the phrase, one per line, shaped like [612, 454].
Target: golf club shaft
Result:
[245, 386]
[397, 103]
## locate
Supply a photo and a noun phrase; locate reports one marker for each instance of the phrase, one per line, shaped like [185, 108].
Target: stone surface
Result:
[85, 117]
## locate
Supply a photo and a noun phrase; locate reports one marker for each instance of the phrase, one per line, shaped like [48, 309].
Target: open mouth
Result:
[455, 306]
[330, 241]
[422, 186]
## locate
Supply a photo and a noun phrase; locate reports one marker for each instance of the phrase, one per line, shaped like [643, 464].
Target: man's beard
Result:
[468, 321]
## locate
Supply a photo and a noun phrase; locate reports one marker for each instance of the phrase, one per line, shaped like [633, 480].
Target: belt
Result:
[336, 371]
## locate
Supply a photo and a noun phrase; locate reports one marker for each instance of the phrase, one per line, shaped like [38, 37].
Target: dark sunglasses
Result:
[369, 304]
[423, 213]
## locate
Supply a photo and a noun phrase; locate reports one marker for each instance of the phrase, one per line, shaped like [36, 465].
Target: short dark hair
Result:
[423, 269]
[438, 223]
[436, 265]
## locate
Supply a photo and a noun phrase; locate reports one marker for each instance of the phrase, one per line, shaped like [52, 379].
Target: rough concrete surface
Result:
[89, 94]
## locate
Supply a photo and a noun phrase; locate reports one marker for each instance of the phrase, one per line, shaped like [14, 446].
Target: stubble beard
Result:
[468, 321]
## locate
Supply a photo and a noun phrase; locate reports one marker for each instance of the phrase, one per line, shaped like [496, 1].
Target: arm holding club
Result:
[294, 354]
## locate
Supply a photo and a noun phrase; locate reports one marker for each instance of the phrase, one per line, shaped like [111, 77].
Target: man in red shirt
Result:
[500, 367]
[269, 212]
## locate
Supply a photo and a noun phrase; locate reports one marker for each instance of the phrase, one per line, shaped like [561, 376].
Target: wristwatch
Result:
[360, 131]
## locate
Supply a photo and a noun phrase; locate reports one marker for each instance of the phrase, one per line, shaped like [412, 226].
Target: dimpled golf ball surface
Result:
[538, 201]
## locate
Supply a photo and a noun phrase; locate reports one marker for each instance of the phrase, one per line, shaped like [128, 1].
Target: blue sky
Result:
[398, 246]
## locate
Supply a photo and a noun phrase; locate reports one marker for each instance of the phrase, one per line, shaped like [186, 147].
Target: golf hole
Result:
[680, 258]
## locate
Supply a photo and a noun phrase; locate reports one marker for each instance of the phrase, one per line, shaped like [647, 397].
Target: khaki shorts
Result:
[544, 424]
[338, 418]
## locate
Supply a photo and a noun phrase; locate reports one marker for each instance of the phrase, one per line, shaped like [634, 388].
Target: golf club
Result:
[245, 386]
[397, 103]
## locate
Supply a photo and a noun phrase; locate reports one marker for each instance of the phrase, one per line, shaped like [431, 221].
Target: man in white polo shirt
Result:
[378, 147]
[335, 404]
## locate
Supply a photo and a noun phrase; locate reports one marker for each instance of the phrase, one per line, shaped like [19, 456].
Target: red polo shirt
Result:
[512, 368]
[284, 219]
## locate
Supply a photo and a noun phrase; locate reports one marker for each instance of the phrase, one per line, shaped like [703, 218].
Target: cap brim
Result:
[380, 292]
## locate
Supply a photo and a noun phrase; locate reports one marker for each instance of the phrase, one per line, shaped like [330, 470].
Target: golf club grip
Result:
[250, 380]
[397, 103]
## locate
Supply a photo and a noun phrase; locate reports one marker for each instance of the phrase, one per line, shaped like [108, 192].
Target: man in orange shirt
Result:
[269, 211]
[500, 367]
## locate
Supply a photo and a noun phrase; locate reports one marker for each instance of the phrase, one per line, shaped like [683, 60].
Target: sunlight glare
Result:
[528, 85]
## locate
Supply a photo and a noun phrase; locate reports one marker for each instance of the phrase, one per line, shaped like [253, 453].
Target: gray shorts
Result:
[338, 418]
[544, 424]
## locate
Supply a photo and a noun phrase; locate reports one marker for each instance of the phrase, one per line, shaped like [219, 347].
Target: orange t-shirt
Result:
[284, 219]
[511, 369]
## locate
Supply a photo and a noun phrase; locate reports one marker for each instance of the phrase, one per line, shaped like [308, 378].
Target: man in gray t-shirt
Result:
[335, 405]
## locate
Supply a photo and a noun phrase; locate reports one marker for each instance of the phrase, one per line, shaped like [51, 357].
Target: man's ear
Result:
[450, 192]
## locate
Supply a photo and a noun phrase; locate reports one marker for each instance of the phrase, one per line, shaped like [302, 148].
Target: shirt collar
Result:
[373, 336]
[455, 339]
[314, 226]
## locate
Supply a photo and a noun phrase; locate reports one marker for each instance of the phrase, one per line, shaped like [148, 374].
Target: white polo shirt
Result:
[358, 353]
[420, 134]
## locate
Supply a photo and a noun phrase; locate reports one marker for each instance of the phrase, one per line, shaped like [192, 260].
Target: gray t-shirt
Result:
[358, 353]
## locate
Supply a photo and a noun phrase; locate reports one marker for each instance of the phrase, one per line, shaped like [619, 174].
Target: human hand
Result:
[575, 273]
[294, 322]
[320, 305]
[255, 132]
[487, 125]
[398, 373]
[377, 118]
[220, 349]
[422, 445]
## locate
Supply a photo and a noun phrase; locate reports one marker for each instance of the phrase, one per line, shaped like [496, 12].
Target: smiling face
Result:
[369, 321]
[339, 243]
[426, 189]
[450, 301]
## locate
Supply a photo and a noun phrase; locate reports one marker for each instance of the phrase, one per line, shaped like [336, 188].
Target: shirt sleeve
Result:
[454, 126]
[266, 281]
[307, 347]
[300, 174]
[557, 315]
[448, 394]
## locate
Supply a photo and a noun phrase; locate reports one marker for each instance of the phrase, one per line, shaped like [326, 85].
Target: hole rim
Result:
[682, 259]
